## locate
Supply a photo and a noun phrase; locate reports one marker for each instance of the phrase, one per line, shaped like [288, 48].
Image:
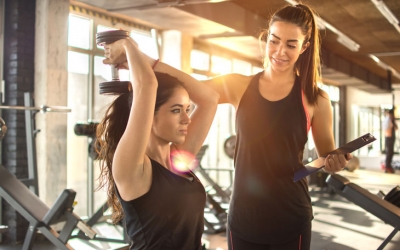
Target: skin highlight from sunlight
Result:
[183, 161]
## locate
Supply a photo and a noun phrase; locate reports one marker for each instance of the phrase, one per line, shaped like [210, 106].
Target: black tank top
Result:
[170, 216]
[267, 207]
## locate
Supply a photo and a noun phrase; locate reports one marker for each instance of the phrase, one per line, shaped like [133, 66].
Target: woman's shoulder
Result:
[323, 94]
[241, 77]
[240, 80]
[232, 78]
[323, 98]
[230, 86]
[323, 103]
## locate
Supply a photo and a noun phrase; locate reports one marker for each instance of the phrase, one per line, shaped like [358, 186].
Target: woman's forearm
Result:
[140, 71]
[199, 93]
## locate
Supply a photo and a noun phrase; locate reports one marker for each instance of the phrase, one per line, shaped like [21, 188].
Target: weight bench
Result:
[97, 216]
[225, 197]
[39, 215]
[384, 210]
[213, 204]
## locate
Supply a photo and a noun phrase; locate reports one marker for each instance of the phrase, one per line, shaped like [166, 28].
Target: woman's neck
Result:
[276, 77]
[159, 153]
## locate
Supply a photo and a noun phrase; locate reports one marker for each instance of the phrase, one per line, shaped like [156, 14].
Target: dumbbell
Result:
[107, 37]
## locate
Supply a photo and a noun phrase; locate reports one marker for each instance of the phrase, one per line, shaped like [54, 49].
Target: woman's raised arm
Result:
[128, 165]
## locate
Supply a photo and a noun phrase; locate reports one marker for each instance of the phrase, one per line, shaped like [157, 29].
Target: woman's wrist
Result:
[127, 43]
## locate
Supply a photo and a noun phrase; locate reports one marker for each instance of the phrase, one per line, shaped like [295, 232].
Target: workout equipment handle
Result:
[42, 108]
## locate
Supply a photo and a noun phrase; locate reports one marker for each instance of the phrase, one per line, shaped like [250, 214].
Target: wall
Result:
[365, 99]
[51, 49]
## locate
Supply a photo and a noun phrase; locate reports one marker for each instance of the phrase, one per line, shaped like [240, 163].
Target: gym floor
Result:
[338, 224]
[341, 225]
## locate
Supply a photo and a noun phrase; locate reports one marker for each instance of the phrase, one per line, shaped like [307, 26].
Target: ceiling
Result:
[234, 24]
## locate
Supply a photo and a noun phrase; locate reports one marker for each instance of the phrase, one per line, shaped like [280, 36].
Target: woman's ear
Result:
[305, 46]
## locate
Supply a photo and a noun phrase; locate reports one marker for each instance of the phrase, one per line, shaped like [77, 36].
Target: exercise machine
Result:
[30, 130]
[384, 210]
[22, 194]
[39, 215]
[98, 217]
[212, 186]
[215, 215]
[3, 131]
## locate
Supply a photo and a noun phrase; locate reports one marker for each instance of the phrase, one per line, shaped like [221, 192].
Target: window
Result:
[85, 71]
[367, 120]
[199, 60]
[242, 67]
[146, 42]
[332, 91]
[220, 65]
[79, 32]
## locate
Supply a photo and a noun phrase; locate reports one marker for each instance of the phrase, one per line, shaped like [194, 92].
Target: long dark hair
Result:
[112, 127]
[308, 65]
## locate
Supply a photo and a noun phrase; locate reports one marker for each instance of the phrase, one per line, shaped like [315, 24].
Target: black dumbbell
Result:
[107, 37]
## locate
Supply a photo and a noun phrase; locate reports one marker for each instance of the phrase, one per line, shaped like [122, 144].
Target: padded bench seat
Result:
[384, 210]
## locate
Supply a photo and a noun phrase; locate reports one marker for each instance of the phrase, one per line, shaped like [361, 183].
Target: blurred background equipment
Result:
[89, 130]
[229, 146]
[3, 128]
[86, 129]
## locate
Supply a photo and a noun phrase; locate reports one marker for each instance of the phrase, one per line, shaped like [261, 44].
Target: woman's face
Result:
[172, 119]
[284, 46]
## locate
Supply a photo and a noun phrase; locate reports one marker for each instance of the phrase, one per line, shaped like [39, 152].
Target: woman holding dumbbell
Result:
[148, 139]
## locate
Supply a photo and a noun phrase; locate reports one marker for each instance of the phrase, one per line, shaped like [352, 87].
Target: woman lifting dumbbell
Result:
[147, 134]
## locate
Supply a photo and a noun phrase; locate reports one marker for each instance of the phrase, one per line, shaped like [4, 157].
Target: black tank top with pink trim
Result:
[267, 207]
[170, 216]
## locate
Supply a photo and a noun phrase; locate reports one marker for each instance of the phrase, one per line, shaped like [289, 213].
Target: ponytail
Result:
[108, 133]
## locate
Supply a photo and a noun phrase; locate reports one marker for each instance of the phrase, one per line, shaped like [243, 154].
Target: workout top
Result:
[170, 216]
[267, 207]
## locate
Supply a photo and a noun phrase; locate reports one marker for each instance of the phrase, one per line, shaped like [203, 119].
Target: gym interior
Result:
[51, 67]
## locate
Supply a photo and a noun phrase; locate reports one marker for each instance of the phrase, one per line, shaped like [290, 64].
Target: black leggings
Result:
[301, 243]
[389, 144]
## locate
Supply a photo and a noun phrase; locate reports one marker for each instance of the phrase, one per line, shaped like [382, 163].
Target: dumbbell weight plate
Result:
[110, 36]
[114, 87]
